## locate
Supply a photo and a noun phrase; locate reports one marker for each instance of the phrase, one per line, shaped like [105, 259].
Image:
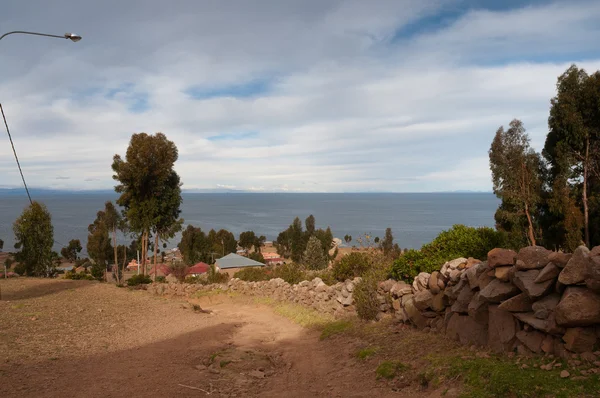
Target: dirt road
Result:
[63, 338]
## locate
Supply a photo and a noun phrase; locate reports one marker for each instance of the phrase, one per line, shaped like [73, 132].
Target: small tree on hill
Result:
[34, 236]
[314, 257]
[70, 252]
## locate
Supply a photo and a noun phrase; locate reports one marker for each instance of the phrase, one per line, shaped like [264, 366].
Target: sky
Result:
[284, 95]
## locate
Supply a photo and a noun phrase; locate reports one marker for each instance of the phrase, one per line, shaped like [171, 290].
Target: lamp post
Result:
[70, 36]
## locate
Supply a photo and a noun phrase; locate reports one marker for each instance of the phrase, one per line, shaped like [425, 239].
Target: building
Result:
[232, 263]
[198, 269]
[272, 258]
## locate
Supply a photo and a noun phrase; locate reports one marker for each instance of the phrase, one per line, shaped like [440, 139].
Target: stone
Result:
[533, 257]
[588, 356]
[423, 299]
[580, 339]
[478, 309]
[385, 286]
[439, 302]
[345, 301]
[472, 276]
[456, 263]
[501, 257]
[578, 307]
[406, 297]
[399, 289]
[441, 284]
[497, 291]
[350, 287]
[560, 259]
[595, 251]
[502, 273]
[577, 268]
[545, 325]
[433, 283]
[592, 280]
[455, 275]
[421, 281]
[452, 292]
[414, 315]
[461, 305]
[525, 281]
[464, 329]
[396, 305]
[171, 278]
[519, 303]
[321, 287]
[484, 280]
[502, 329]
[564, 374]
[545, 306]
[257, 374]
[549, 272]
[548, 345]
[532, 340]
[472, 262]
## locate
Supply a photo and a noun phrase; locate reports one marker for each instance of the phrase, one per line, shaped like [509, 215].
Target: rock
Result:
[423, 299]
[452, 292]
[461, 305]
[580, 339]
[399, 289]
[405, 298]
[559, 259]
[484, 280]
[578, 307]
[532, 340]
[439, 302]
[576, 269]
[545, 306]
[421, 282]
[588, 356]
[413, 313]
[472, 276]
[345, 301]
[564, 374]
[171, 278]
[502, 273]
[592, 280]
[441, 284]
[456, 263]
[433, 283]
[519, 303]
[533, 257]
[396, 305]
[501, 257]
[502, 329]
[497, 291]
[464, 329]
[549, 272]
[478, 309]
[257, 374]
[455, 275]
[595, 251]
[548, 345]
[525, 280]
[545, 325]
[472, 262]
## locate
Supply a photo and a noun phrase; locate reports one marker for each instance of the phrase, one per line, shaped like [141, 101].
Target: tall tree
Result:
[247, 240]
[298, 244]
[99, 245]
[387, 244]
[516, 174]
[572, 145]
[310, 225]
[112, 220]
[194, 246]
[71, 250]
[313, 257]
[148, 184]
[34, 236]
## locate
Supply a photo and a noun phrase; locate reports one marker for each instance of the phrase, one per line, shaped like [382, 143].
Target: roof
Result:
[163, 270]
[199, 268]
[234, 261]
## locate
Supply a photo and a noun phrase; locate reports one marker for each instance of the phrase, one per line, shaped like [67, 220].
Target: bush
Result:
[139, 280]
[216, 277]
[98, 272]
[365, 297]
[291, 273]
[350, 266]
[20, 269]
[161, 279]
[179, 270]
[252, 274]
[458, 241]
[78, 277]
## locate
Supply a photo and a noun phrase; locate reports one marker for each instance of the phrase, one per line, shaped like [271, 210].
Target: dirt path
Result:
[79, 339]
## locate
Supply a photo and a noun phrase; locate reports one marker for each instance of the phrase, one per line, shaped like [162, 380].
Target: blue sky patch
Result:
[249, 89]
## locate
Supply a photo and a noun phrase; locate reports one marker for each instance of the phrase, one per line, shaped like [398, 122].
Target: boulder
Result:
[545, 325]
[532, 340]
[497, 291]
[171, 278]
[548, 344]
[576, 269]
[592, 280]
[455, 275]
[345, 301]
[433, 283]
[439, 302]
[406, 298]
[472, 276]
[414, 315]
[545, 306]
[525, 280]
[457, 263]
[580, 339]
[384, 286]
[533, 257]
[502, 329]
[578, 307]
[421, 281]
[549, 272]
[502, 273]
[519, 303]
[472, 262]
[484, 280]
[501, 257]
[399, 289]
[441, 283]
[559, 259]
[461, 305]
[595, 251]
[478, 309]
[452, 292]
[464, 329]
[423, 299]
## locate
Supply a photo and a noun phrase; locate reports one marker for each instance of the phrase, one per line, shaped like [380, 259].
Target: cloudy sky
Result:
[311, 95]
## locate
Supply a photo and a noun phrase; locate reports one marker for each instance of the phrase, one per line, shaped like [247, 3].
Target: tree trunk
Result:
[114, 231]
[585, 199]
[155, 256]
[124, 259]
[530, 233]
[144, 252]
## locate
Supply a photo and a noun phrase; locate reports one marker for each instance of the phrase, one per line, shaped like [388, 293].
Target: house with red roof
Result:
[198, 269]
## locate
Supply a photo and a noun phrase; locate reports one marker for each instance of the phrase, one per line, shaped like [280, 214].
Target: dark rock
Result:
[484, 280]
[532, 340]
[545, 306]
[580, 339]
[497, 291]
[474, 273]
[592, 280]
[578, 307]
[461, 305]
[519, 303]
[501, 257]
[399, 289]
[595, 251]
[545, 325]
[533, 257]
[464, 329]
[433, 283]
[430, 314]
[472, 262]
[478, 309]
[525, 280]
[577, 268]
[414, 314]
[502, 329]
[549, 272]
[385, 286]
[548, 344]
[503, 273]
[452, 292]
[423, 299]
[439, 302]
[560, 259]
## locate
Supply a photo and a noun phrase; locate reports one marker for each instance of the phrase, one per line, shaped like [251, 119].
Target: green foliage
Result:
[257, 256]
[292, 242]
[365, 297]
[20, 269]
[390, 369]
[161, 279]
[351, 265]
[314, 257]
[252, 274]
[99, 246]
[195, 246]
[98, 271]
[140, 279]
[367, 352]
[336, 327]
[249, 240]
[70, 252]
[179, 270]
[389, 248]
[34, 236]
[216, 277]
[408, 266]
[78, 276]
[347, 238]
[1, 244]
[291, 273]
[222, 242]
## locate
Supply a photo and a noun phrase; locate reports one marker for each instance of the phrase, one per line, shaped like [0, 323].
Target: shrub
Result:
[194, 279]
[252, 274]
[139, 280]
[351, 265]
[98, 272]
[8, 275]
[216, 277]
[365, 297]
[179, 271]
[20, 269]
[161, 279]
[291, 273]
[78, 277]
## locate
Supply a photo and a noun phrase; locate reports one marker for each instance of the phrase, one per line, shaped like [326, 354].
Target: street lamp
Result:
[71, 36]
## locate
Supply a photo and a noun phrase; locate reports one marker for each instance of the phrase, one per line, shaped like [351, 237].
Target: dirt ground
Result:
[61, 338]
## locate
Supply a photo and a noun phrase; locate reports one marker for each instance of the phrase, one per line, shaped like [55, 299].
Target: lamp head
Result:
[73, 37]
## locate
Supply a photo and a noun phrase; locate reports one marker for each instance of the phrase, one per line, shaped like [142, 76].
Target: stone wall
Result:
[532, 301]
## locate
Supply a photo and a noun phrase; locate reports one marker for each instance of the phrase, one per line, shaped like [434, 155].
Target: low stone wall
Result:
[534, 301]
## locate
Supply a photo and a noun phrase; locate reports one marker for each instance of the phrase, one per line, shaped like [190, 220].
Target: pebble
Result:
[564, 374]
